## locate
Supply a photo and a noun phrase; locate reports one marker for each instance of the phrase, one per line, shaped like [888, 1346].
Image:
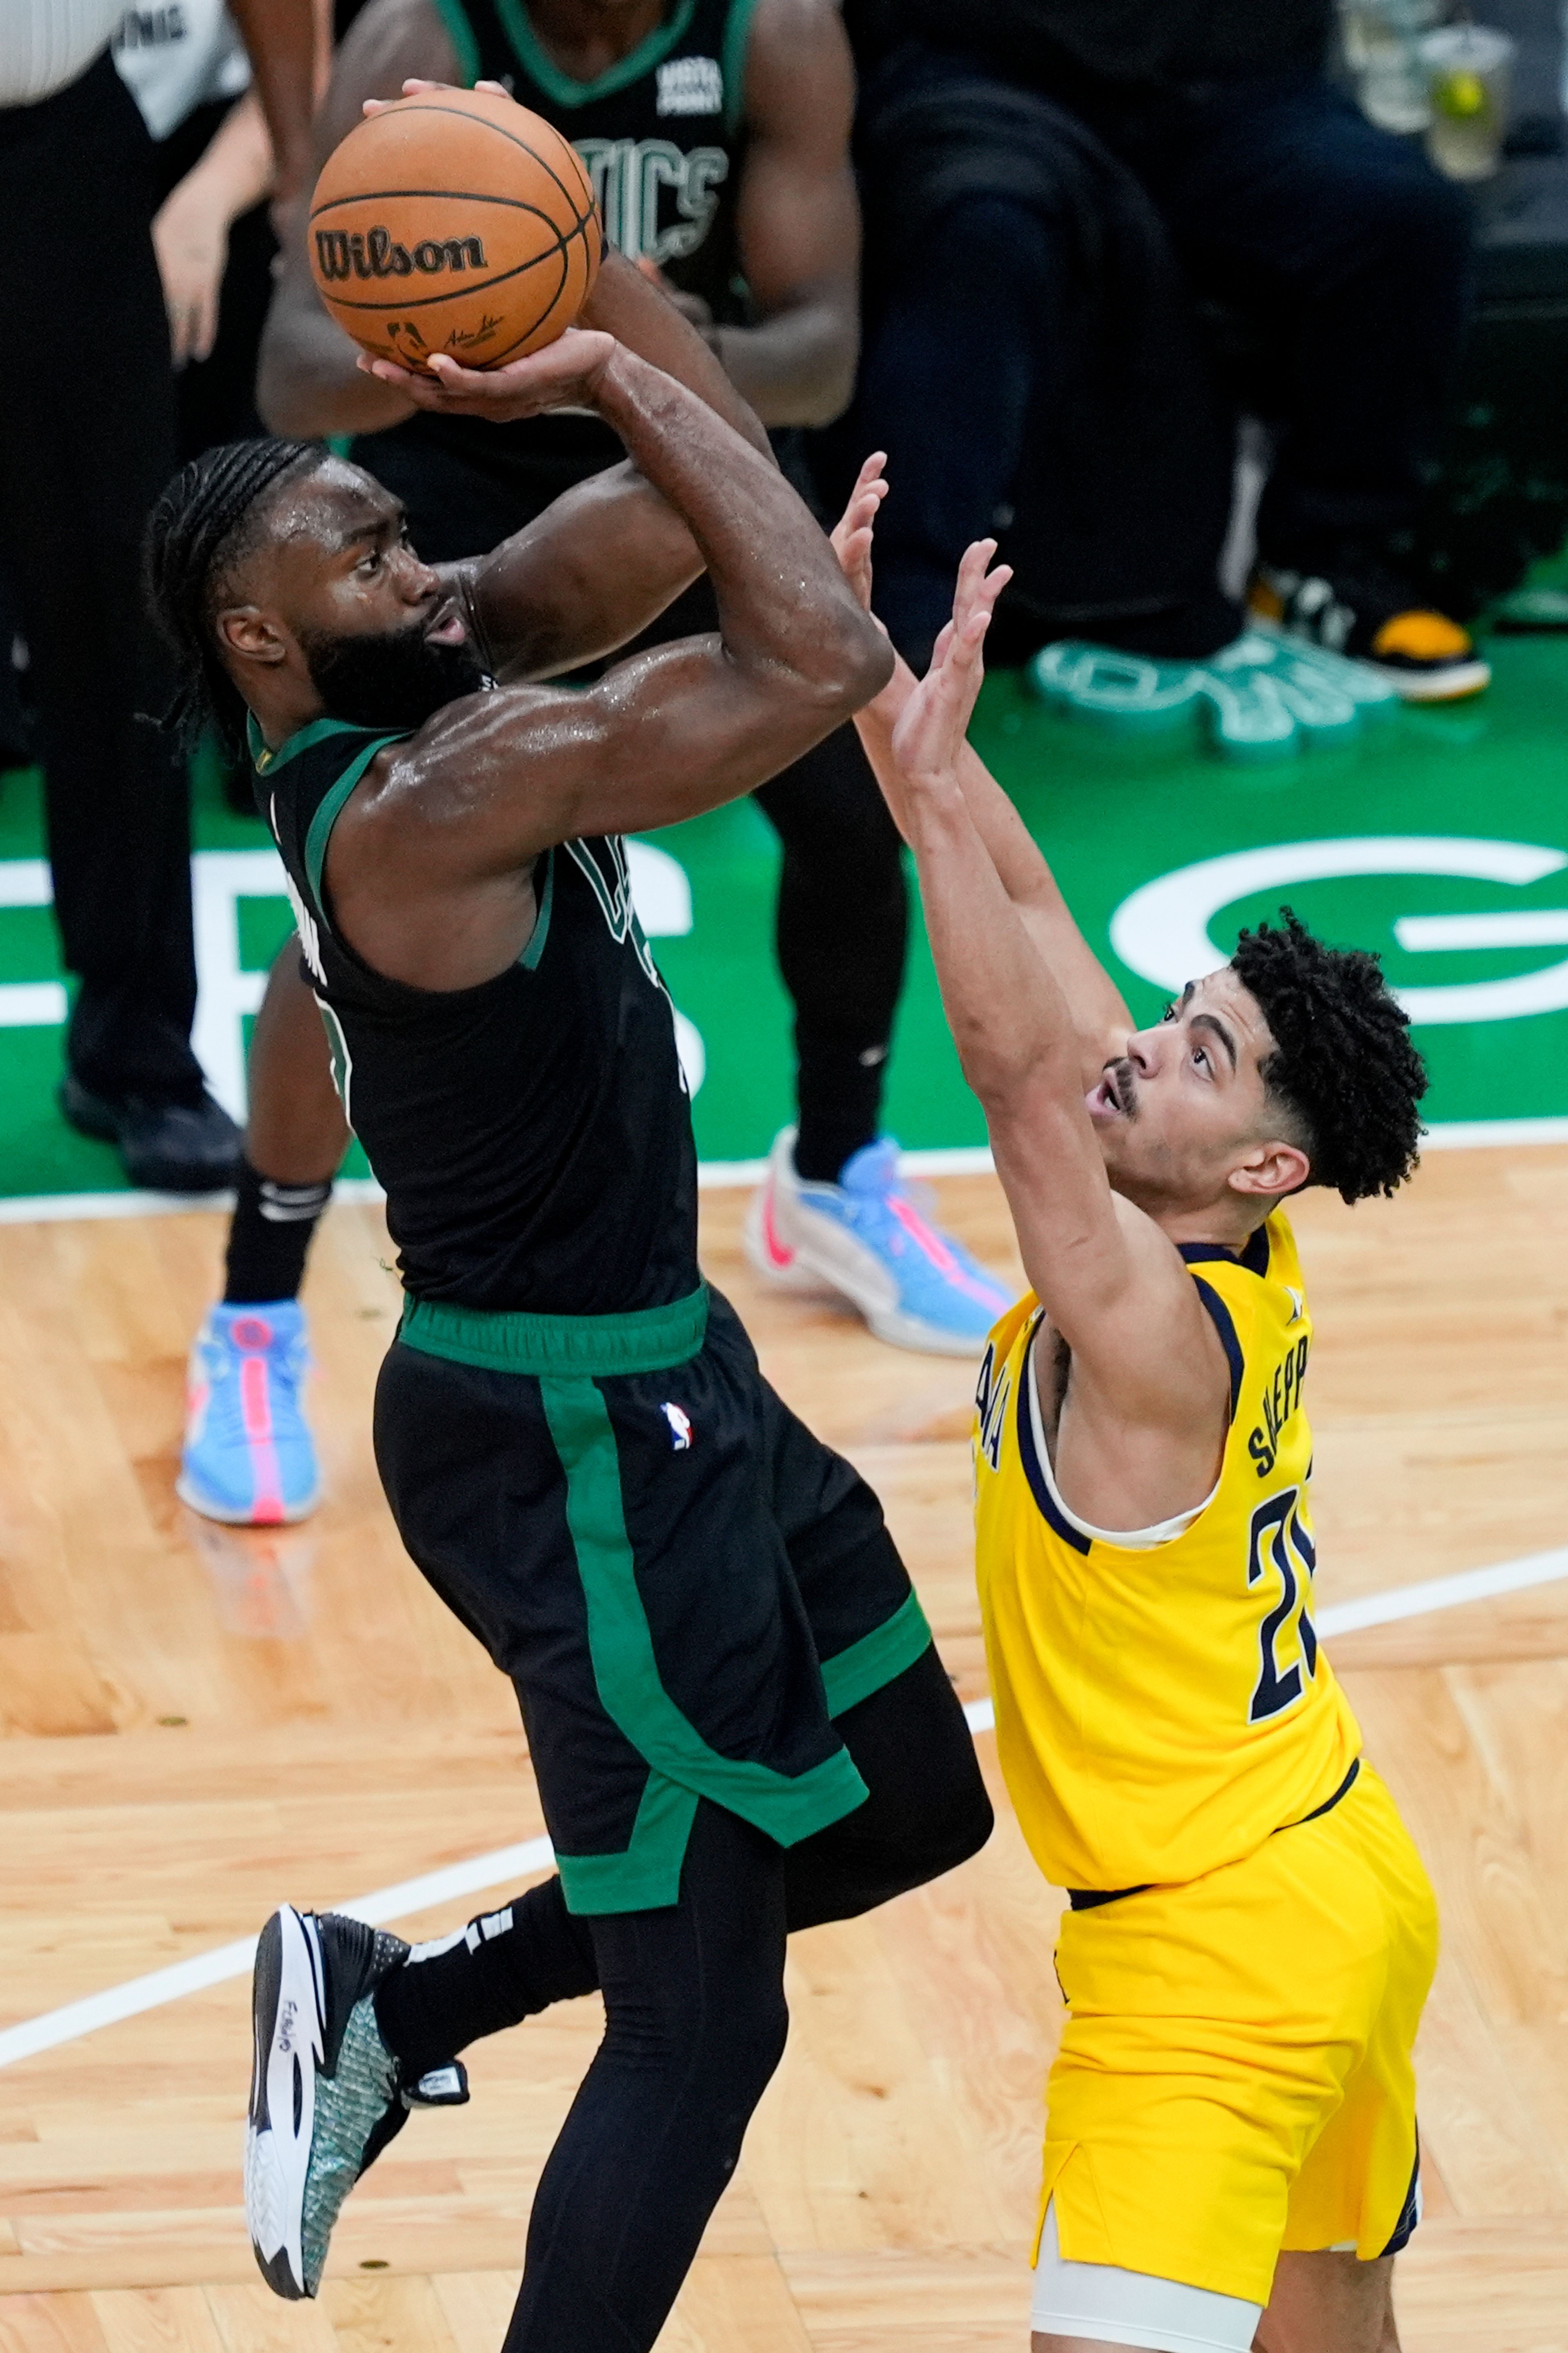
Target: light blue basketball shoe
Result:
[248, 1456]
[865, 1238]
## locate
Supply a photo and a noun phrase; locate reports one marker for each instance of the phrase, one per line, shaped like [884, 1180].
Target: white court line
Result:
[1443, 1592]
[1403, 1601]
[1478, 1135]
[203, 1969]
[56, 1208]
[513, 1863]
[712, 1176]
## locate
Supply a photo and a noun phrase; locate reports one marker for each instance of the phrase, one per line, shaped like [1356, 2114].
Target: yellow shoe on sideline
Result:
[1424, 656]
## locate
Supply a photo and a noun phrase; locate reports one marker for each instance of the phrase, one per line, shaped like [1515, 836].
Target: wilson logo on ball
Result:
[348, 253]
[454, 220]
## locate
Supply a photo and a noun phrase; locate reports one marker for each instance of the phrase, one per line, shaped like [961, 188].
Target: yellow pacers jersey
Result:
[1163, 1711]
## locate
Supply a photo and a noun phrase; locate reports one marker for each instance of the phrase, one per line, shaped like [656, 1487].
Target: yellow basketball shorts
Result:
[1234, 2077]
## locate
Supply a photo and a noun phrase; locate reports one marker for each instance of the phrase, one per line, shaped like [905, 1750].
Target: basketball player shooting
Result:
[1230, 2139]
[737, 1721]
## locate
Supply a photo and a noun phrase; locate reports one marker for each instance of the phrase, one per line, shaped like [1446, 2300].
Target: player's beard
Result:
[396, 679]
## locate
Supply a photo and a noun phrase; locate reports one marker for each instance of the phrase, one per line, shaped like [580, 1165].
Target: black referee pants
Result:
[86, 442]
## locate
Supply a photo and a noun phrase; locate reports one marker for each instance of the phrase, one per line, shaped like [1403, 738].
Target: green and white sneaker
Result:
[326, 2095]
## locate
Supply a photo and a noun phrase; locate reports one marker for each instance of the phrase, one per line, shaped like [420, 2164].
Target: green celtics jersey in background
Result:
[661, 132]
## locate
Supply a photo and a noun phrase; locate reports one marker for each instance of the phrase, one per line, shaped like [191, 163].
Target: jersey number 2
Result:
[1281, 1543]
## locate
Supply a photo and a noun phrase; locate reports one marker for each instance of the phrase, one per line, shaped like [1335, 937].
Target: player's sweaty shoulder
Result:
[488, 772]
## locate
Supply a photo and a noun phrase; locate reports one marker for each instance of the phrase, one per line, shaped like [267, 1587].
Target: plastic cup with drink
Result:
[1469, 71]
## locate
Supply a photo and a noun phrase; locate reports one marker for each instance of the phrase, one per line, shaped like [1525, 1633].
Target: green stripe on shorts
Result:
[647, 1875]
[626, 1671]
[642, 1340]
[852, 1675]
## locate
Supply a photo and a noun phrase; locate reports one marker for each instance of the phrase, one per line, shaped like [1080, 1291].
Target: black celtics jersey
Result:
[661, 132]
[533, 1132]
[663, 137]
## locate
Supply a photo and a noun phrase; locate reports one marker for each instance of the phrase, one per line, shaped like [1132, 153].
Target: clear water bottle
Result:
[1382, 48]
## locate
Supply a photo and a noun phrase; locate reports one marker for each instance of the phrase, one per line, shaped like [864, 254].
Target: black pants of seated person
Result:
[1342, 250]
[695, 2017]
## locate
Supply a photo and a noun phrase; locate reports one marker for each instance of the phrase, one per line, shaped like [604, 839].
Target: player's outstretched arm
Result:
[1099, 1014]
[1111, 1281]
[594, 570]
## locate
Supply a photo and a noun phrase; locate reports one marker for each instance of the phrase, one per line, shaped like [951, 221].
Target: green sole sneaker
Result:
[325, 2090]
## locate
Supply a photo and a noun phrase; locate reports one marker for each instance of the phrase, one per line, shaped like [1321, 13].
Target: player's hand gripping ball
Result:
[454, 221]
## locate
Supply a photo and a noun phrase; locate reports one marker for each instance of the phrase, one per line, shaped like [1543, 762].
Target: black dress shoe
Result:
[168, 1147]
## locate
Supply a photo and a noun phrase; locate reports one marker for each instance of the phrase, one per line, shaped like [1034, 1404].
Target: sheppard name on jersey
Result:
[1280, 1399]
[991, 1408]
[346, 253]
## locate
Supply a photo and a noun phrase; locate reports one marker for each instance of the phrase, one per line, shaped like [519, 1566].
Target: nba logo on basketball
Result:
[679, 1428]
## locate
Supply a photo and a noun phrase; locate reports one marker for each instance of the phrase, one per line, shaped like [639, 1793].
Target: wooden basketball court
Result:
[200, 1724]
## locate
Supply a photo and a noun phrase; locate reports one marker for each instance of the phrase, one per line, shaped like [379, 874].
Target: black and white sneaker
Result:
[325, 2092]
[1373, 618]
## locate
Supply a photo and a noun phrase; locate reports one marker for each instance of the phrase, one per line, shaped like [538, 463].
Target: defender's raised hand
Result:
[930, 734]
[852, 534]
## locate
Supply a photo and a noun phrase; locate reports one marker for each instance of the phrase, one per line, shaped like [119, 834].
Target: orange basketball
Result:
[454, 221]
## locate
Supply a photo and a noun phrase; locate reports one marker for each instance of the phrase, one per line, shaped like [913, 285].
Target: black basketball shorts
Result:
[683, 1584]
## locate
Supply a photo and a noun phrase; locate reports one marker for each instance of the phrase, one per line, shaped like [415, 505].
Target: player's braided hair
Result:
[1342, 1062]
[196, 535]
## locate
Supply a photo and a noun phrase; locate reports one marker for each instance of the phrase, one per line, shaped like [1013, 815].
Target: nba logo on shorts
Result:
[679, 1428]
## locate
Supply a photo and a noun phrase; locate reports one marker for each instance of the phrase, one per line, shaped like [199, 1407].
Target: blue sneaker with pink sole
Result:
[248, 1457]
[865, 1238]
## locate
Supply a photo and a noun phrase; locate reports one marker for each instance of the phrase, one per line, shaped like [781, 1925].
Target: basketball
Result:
[454, 221]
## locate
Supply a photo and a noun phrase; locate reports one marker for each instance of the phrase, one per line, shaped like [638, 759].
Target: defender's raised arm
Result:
[1099, 1015]
[1113, 1285]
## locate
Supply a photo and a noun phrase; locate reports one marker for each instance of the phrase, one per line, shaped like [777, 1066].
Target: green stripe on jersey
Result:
[544, 901]
[332, 808]
[561, 87]
[302, 739]
[737, 36]
[460, 33]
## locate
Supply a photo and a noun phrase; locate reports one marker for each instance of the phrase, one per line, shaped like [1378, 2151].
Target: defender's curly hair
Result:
[1342, 1062]
[201, 529]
